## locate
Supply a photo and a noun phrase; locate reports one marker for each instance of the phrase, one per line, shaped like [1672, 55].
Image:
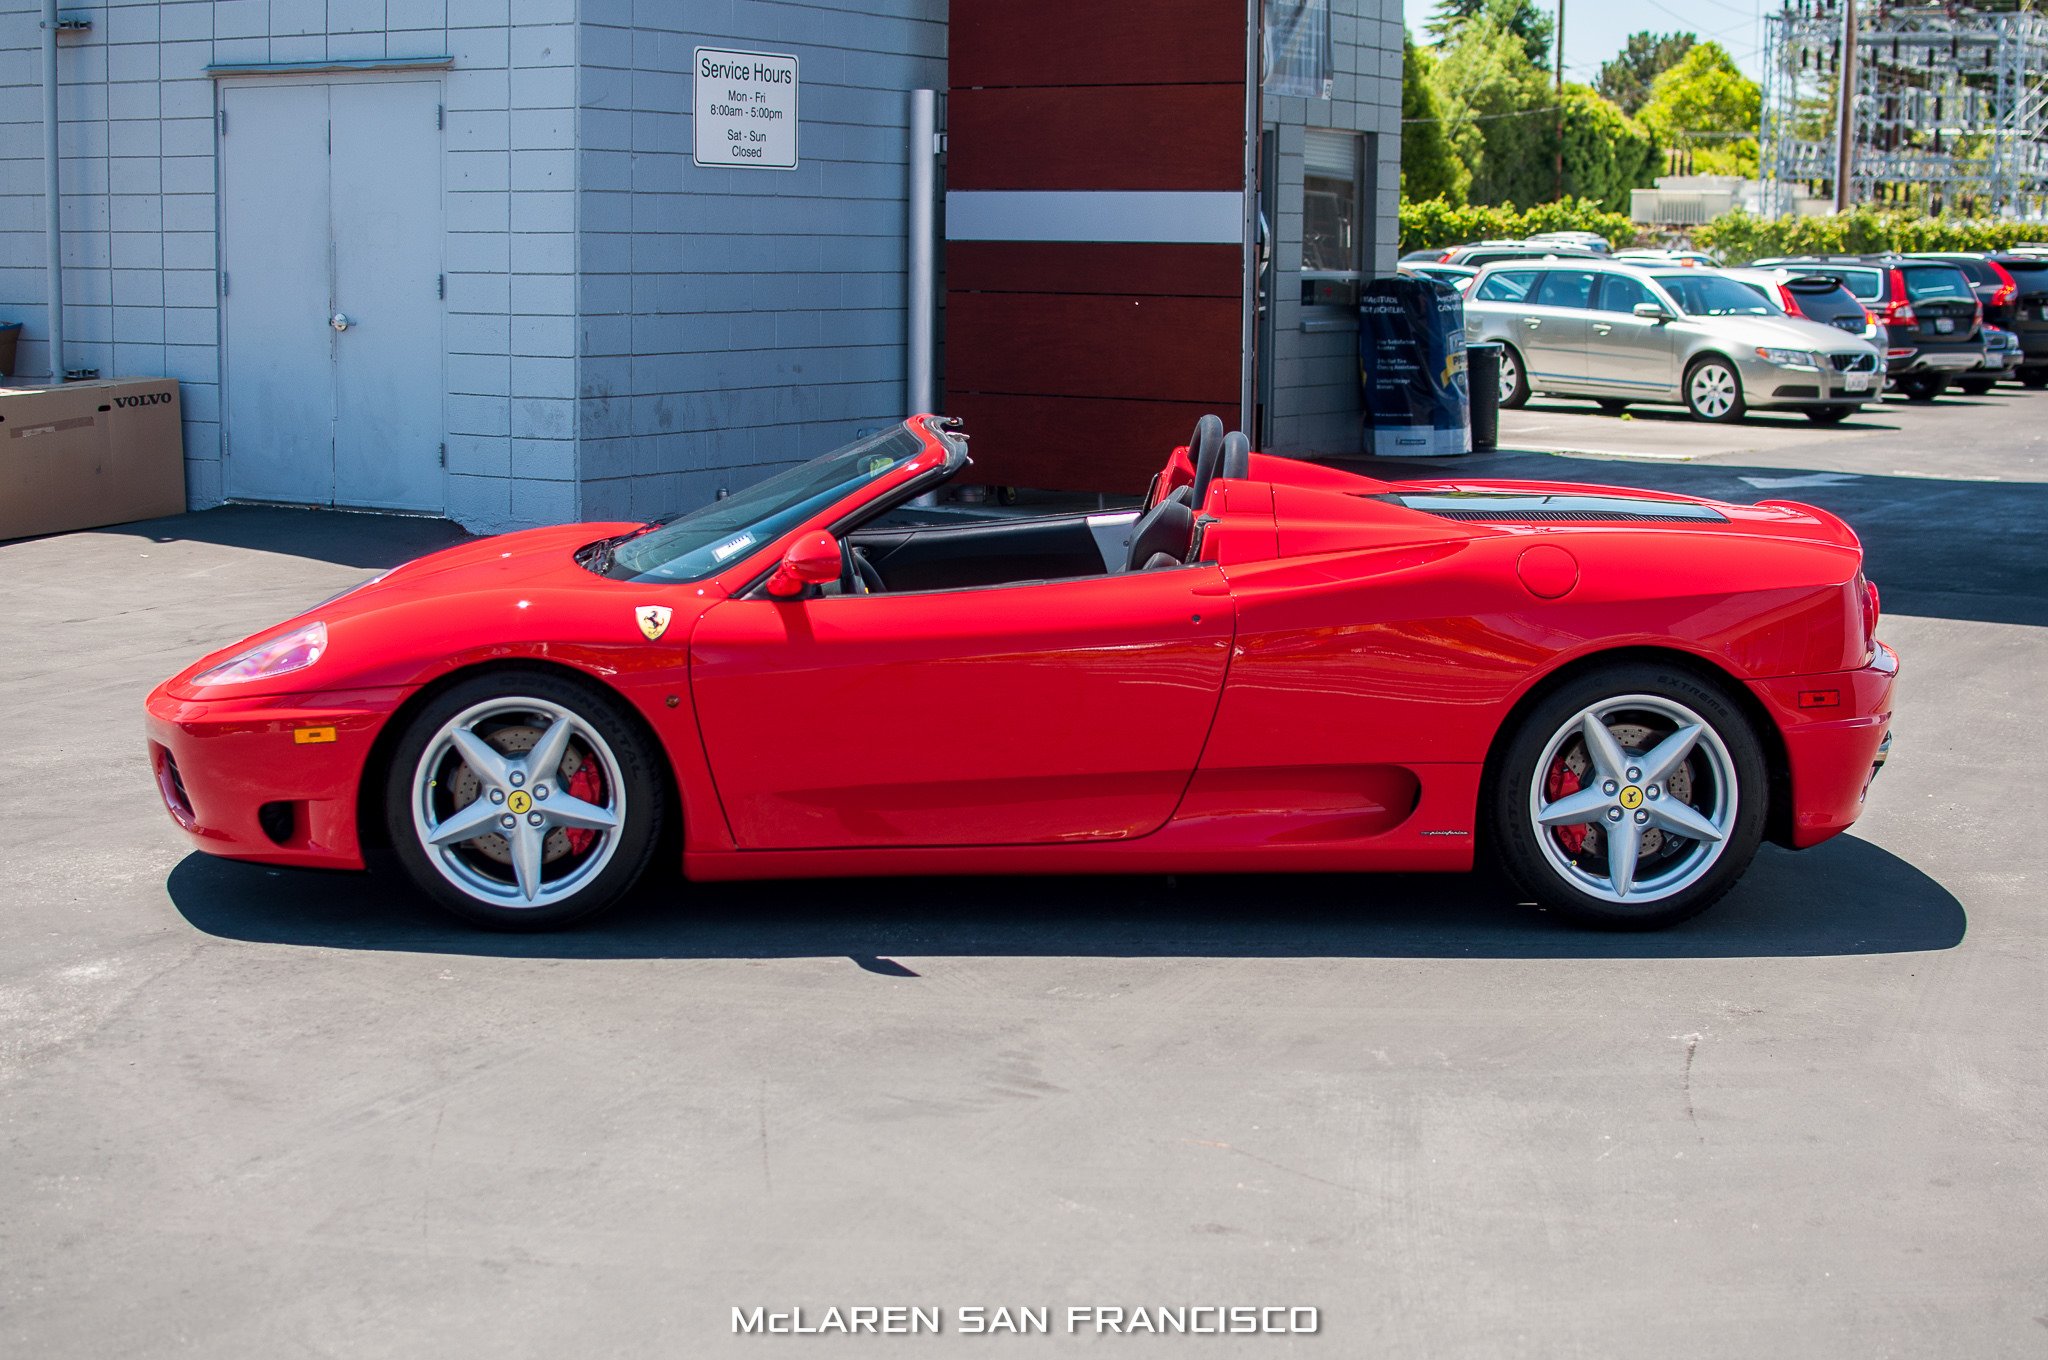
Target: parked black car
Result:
[2030, 314]
[1928, 309]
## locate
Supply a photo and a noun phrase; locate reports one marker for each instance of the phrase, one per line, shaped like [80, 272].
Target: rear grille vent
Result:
[1576, 516]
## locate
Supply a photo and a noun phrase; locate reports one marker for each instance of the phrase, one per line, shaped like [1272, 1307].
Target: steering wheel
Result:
[861, 573]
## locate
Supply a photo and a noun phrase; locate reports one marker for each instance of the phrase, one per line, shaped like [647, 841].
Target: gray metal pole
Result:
[1845, 116]
[921, 285]
[1247, 345]
[53, 202]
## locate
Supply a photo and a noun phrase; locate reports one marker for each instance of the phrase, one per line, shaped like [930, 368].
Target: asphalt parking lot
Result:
[250, 1112]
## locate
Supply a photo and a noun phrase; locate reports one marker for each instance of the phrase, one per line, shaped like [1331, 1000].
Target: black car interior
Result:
[922, 556]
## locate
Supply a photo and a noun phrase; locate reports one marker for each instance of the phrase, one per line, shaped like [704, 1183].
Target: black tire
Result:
[1923, 389]
[1699, 405]
[1514, 379]
[1976, 387]
[625, 856]
[1829, 415]
[1609, 406]
[1514, 795]
[2035, 378]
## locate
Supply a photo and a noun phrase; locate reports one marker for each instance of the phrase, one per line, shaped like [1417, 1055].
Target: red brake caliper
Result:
[1561, 783]
[589, 786]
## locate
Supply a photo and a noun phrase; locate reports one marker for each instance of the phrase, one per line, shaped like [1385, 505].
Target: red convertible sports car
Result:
[1272, 665]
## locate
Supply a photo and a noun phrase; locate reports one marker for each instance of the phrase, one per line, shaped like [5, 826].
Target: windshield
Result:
[710, 538]
[1714, 295]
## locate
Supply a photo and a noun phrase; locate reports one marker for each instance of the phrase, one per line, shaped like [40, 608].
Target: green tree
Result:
[1429, 167]
[1532, 26]
[1626, 79]
[1705, 105]
[1498, 113]
[1606, 153]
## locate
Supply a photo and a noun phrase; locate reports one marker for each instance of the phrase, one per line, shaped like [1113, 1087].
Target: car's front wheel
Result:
[1514, 380]
[1630, 797]
[523, 800]
[1713, 390]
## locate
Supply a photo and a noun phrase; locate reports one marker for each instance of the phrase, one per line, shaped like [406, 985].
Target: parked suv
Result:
[1928, 310]
[2029, 314]
[1619, 334]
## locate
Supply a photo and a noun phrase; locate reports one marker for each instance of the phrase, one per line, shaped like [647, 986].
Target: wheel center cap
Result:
[1631, 798]
[521, 801]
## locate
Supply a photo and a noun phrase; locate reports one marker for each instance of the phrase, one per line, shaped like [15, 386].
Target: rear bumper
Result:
[1837, 731]
[1925, 359]
[270, 778]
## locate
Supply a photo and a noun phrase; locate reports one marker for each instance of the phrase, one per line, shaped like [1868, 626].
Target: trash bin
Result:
[1482, 382]
[1411, 362]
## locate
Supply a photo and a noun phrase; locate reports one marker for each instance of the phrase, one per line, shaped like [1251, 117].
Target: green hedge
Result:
[1738, 237]
[1437, 223]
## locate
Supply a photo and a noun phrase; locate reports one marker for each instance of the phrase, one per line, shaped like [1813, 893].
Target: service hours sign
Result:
[745, 109]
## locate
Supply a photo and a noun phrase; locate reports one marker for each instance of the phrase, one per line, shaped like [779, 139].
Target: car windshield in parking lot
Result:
[1700, 294]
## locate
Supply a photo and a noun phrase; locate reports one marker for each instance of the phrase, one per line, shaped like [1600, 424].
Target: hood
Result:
[1778, 332]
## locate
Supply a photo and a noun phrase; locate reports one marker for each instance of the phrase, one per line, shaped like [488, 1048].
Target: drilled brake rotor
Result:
[1635, 739]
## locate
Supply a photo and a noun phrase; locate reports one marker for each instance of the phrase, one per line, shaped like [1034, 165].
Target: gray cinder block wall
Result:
[732, 320]
[1312, 398]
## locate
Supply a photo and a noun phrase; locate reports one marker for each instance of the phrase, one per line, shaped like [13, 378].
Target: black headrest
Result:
[1205, 451]
[1237, 456]
[1168, 527]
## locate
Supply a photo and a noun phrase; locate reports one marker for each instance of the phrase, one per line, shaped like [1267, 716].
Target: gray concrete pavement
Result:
[247, 1112]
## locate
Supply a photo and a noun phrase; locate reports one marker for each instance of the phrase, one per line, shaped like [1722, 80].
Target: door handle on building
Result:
[339, 321]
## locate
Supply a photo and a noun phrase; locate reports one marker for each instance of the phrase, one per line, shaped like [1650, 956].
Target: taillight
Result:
[1870, 612]
[1898, 310]
[2007, 290]
[1791, 307]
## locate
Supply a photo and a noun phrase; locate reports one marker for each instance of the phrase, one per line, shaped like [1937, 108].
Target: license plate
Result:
[1856, 382]
[1944, 324]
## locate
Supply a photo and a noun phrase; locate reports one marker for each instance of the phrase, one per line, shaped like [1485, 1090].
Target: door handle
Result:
[1532, 322]
[339, 321]
[1603, 326]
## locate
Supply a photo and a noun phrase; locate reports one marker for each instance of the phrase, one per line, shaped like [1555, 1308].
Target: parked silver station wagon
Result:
[1622, 334]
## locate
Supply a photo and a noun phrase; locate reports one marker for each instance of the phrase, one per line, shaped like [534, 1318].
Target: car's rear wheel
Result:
[1829, 415]
[1631, 797]
[523, 800]
[1713, 390]
[1922, 388]
[1514, 380]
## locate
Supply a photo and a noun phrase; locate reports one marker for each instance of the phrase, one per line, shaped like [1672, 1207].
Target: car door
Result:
[1554, 328]
[1627, 354]
[1037, 712]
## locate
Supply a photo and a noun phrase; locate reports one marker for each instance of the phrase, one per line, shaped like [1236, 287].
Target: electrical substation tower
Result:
[1948, 108]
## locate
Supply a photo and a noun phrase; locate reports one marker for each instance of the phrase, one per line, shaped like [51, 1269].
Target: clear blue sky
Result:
[1594, 30]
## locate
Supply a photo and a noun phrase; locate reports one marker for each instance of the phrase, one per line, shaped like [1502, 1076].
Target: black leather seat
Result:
[1167, 532]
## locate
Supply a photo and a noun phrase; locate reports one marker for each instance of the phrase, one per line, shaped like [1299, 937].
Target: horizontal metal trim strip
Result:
[312, 68]
[1175, 216]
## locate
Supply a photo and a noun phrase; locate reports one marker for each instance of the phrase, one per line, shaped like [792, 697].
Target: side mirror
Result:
[1652, 311]
[812, 560]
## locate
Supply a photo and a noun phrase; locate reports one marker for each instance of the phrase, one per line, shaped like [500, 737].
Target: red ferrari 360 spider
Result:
[1271, 665]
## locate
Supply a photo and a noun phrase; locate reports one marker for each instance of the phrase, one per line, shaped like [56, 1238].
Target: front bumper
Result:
[272, 778]
[1837, 731]
[1766, 385]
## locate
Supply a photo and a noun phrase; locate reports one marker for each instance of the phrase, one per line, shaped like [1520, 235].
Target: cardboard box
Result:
[89, 453]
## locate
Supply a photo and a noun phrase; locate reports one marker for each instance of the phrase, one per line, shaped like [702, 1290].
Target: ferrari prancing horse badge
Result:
[653, 619]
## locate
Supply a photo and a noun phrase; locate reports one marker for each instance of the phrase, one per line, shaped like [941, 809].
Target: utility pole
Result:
[1559, 99]
[1845, 113]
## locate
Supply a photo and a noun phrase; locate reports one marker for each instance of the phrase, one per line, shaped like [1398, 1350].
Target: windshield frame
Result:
[941, 454]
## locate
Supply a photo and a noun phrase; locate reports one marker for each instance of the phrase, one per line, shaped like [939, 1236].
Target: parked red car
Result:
[1273, 665]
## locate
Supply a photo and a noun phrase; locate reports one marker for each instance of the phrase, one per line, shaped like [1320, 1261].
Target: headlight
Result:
[1786, 358]
[280, 656]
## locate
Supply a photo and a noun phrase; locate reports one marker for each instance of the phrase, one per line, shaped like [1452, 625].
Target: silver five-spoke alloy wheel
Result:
[1634, 799]
[518, 802]
[1713, 391]
[1510, 374]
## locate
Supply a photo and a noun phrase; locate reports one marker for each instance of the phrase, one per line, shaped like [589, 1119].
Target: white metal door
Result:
[279, 393]
[331, 238]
